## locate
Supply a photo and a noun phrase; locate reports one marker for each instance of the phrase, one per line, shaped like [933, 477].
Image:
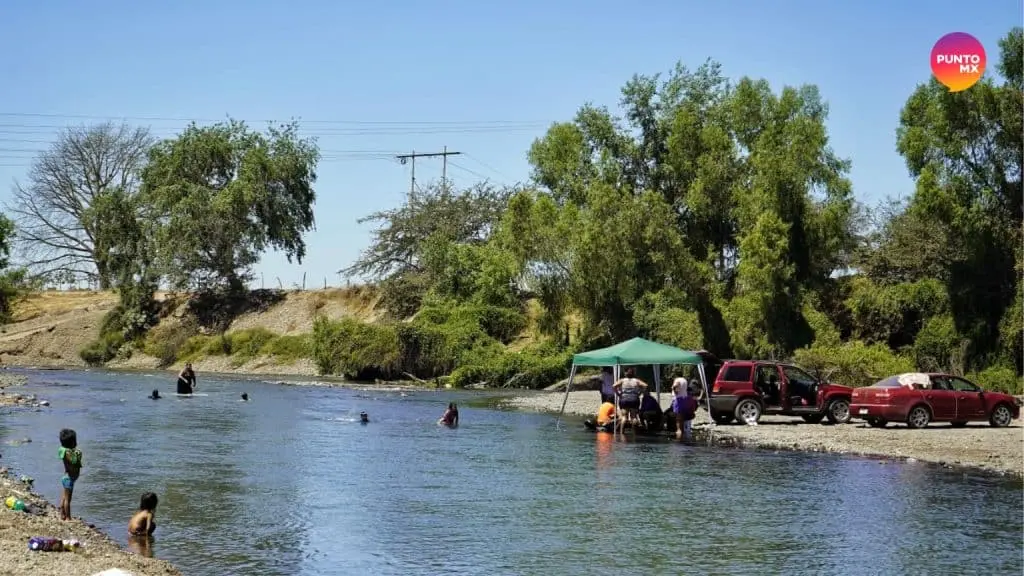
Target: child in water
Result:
[245, 396]
[155, 395]
[364, 418]
[451, 416]
[142, 522]
[71, 457]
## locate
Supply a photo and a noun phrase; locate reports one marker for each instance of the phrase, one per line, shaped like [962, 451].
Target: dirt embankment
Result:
[98, 552]
[979, 446]
[50, 328]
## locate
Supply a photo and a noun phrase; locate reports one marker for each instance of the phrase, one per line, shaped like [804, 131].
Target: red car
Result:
[745, 389]
[918, 399]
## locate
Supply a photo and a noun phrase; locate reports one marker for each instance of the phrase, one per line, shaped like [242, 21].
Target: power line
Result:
[298, 119]
[403, 158]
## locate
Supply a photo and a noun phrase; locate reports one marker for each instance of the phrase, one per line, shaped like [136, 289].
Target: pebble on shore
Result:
[979, 446]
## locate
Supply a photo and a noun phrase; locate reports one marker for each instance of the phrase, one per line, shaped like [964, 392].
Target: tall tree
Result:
[965, 149]
[223, 194]
[51, 210]
[741, 179]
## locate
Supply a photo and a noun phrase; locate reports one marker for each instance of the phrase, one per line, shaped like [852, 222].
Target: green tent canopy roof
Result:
[636, 351]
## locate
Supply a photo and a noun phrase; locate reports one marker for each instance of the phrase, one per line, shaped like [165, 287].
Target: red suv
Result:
[746, 389]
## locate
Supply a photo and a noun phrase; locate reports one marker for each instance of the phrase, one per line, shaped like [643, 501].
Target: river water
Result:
[291, 484]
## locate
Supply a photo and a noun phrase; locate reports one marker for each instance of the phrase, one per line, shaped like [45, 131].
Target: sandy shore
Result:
[99, 552]
[999, 450]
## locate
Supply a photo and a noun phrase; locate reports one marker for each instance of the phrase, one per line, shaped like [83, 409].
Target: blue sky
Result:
[450, 63]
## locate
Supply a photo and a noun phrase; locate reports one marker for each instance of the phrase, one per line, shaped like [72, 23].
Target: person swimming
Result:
[364, 418]
[451, 416]
[155, 395]
[245, 397]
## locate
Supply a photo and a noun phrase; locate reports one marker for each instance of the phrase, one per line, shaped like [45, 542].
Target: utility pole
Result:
[403, 158]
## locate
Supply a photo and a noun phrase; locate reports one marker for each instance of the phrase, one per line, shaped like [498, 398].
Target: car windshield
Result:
[890, 382]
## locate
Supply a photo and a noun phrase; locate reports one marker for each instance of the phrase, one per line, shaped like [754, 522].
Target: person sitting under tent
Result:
[650, 412]
[629, 389]
[606, 414]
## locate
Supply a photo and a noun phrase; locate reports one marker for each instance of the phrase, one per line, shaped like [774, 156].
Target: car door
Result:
[969, 403]
[766, 381]
[941, 398]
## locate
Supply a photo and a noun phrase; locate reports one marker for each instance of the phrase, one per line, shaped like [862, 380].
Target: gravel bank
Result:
[999, 450]
[99, 552]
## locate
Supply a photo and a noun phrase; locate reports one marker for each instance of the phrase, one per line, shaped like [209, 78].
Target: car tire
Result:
[958, 424]
[877, 422]
[838, 411]
[813, 418]
[746, 410]
[721, 418]
[918, 417]
[1001, 416]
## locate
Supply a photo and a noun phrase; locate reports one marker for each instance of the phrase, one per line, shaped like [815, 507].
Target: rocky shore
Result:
[98, 552]
[998, 450]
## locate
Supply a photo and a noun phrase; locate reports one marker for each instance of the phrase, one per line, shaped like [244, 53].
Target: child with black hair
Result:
[71, 457]
[142, 523]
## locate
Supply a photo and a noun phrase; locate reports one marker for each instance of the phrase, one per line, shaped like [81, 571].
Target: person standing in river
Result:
[186, 379]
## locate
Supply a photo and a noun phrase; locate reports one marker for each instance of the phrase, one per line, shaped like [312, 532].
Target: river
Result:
[291, 484]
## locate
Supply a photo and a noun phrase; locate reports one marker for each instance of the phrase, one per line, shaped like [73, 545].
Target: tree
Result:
[430, 219]
[223, 194]
[729, 193]
[12, 280]
[965, 150]
[51, 210]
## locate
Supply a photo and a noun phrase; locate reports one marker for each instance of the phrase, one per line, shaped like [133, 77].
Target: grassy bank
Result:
[342, 332]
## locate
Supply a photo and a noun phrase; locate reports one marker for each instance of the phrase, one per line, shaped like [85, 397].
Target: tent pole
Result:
[707, 397]
[568, 386]
[618, 417]
[657, 383]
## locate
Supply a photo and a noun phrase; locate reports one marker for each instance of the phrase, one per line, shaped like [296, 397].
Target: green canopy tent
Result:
[638, 352]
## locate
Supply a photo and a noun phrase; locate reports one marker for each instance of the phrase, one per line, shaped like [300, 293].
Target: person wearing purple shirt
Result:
[685, 408]
[607, 385]
[650, 412]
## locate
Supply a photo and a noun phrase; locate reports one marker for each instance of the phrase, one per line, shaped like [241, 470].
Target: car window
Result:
[940, 383]
[961, 385]
[798, 376]
[739, 373]
[890, 382]
[765, 373]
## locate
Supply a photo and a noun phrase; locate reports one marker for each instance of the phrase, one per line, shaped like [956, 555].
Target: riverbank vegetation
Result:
[706, 213]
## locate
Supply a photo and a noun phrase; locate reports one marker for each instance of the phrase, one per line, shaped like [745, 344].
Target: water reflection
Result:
[291, 484]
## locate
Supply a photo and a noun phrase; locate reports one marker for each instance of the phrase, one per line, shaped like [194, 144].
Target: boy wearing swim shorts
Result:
[71, 457]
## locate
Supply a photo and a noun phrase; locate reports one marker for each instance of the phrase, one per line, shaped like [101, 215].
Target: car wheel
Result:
[1001, 416]
[813, 418]
[720, 418]
[748, 410]
[918, 417]
[878, 422]
[838, 411]
[958, 424]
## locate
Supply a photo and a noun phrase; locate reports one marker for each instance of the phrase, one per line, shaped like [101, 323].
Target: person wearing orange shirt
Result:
[606, 414]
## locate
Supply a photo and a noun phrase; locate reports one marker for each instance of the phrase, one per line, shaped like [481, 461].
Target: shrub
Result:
[355, 349]
[525, 369]
[289, 348]
[166, 340]
[247, 343]
[999, 379]
[854, 363]
[103, 349]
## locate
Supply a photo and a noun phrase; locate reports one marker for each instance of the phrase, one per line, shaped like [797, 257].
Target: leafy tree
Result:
[55, 231]
[223, 194]
[126, 236]
[431, 219]
[728, 191]
[965, 150]
[13, 281]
